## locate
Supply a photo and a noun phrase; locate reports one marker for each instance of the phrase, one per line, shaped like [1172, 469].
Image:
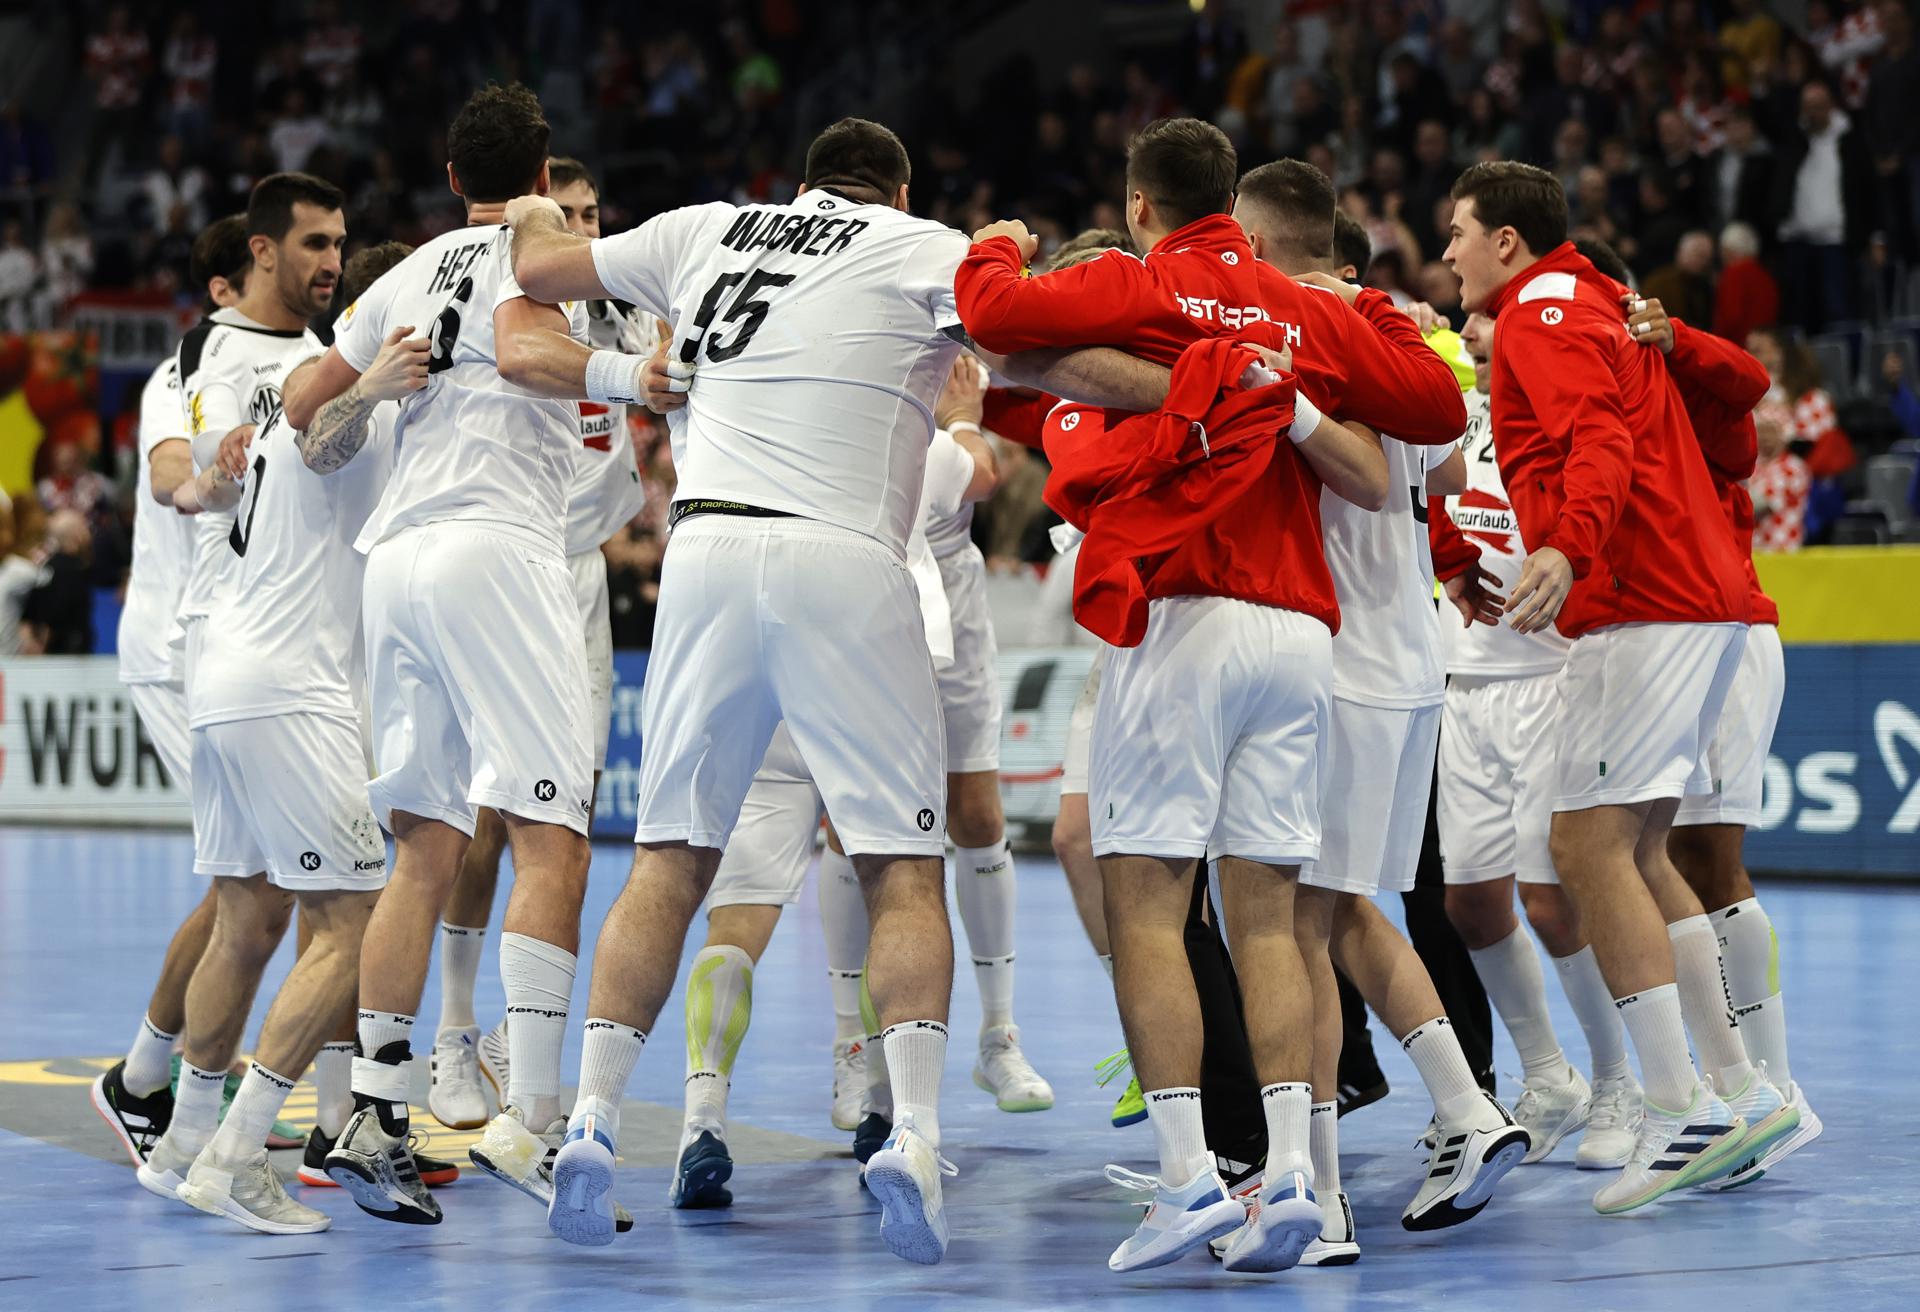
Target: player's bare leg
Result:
[1073, 847]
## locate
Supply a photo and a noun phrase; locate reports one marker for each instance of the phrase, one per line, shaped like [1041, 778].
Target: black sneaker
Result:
[701, 1181]
[136, 1121]
[869, 1139]
[1353, 1097]
[313, 1164]
[379, 1173]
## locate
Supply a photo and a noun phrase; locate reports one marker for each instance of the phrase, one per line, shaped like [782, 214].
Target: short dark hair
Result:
[270, 206]
[1351, 244]
[1186, 167]
[365, 267]
[860, 157]
[564, 171]
[497, 143]
[1089, 245]
[1604, 258]
[1300, 199]
[220, 251]
[1508, 194]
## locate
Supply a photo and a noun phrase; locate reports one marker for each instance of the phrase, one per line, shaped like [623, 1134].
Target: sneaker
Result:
[455, 1096]
[1132, 1107]
[1549, 1112]
[1613, 1125]
[493, 1061]
[1336, 1245]
[434, 1171]
[164, 1168]
[1004, 1071]
[1351, 1098]
[515, 1156]
[1468, 1158]
[904, 1175]
[1285, 1218]
[849, 1081]
[874, 1131]
[1771, 1119]
[705, 1167]
[251, 1193]
[1243, 1182]
[1177, 1220]
[580, 1210]
[137, 1120]
[379, 1172]
[1674, 1150]
[1805, 1133]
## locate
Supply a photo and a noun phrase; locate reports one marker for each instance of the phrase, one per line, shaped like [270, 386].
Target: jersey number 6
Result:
[747, 306]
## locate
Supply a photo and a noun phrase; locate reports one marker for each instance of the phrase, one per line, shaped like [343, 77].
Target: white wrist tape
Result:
[1306, 417]
[613, 377]
[964, 426]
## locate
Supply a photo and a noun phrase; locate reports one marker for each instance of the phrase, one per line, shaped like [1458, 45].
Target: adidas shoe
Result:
[1177, 1220]
[1675, 1150]
[705, 1167]
[904, 1176]
[137, 1120]
[492, 1050]
[455, 1096]
[1805, 1133]
[249, 1192]
[1771, 1119]
[1352, 1097]
[165, 1168]
[379, 1172]
[1613, 1125]
[1284, 1219]
[434, 1171]
[1336, 1245]
[1549, 1112]
[515, 1156]
[1131, 1109]
[1004, 1071]
[849, 1081]
[580, 1209]
[874, 1131]
[1468, 1158]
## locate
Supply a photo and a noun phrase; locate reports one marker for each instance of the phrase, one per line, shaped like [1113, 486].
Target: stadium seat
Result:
[1835, 354]
[1860, 528]
[1889, 478]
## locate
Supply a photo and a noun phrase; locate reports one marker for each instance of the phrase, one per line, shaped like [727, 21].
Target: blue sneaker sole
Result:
[1231, 1216]
[1295, 1224]
[904, 1226]
[581, 1212]
[1121, 1122]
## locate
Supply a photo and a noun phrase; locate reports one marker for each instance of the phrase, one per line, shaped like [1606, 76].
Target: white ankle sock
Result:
[1599, 1019]
[539, 983]
[1180, 1132]
[255, 1108]
[1289, 1109]
[1511, 971]
[1705, 1005]
[916, 1056]
[608, 1051]
[149, 1060]
[1652, 1020]
[460, 950]
[984, 887]
[1751, 953]
[719, 1009]
[1323, 1134]
[1435, 1050]
[333, 1088]
[378, 1029]
[196, 1107]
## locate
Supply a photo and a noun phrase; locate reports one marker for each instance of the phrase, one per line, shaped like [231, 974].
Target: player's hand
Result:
[664, 381]
[231, 459]
[1026, 241]
[1647, 321]
[399, 368]
[1545, 581]
[1346, 291]
[1424, 316]
[522, 208]
[964, 397]
[1271, 365]
[1473, 596]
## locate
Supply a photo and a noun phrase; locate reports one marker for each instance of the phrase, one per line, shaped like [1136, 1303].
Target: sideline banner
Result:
[73, 751]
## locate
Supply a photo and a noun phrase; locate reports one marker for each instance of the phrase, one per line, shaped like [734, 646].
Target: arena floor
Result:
[84, 916]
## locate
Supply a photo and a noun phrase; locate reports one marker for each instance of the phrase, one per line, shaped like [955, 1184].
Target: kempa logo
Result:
[924, 820]
[1069, 421]
[1551, 315]
[362, 866]
[309, 860]
[544, 790]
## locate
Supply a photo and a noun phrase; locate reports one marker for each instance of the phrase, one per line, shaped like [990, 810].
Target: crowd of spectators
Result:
[1757, 164]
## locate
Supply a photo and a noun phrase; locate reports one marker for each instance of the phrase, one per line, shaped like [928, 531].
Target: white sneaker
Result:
[455, 1097]
[1771, 1119]
[1336, 1245]
[1284, 1220]
[1468, 1158]
[514, 1155]
[165, 1168]
[580, 1210]
[1613, 1125]
[251, 1193]
[849, 1082]
[492, 1050]
[1178, 1220]
[904, 1175]
[1675, 1150]
[1549, 1112]
[1004, 1071]
[1805, 1133]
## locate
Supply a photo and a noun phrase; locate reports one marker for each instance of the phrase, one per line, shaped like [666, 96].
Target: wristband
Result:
[613, 377]
[1306, 418]
[965, 425]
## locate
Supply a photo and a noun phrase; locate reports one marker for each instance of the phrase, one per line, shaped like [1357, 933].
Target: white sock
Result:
[380, 1078]
[539, 983]
[607, 1054]
[1106, 963]
[916, 1057]
[1599, 1019]
[460, 950]
[1435, 1050]
[846, 1004]
[196, 1108]
[1511, 971]
[377, 1030]
[1705, 1005]
[1751, 953]
[719, 1009]
[333, 1088]
[1323, 1135]
[255, 1108]
[1652, 1018]
[984, 887]
[1289, 1109]
[149, 1061]
[1181, 1134]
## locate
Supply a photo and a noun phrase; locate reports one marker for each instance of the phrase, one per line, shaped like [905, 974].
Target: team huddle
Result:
[368, 599]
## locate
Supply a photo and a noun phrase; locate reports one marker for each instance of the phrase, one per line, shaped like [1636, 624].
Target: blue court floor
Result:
[84, 916]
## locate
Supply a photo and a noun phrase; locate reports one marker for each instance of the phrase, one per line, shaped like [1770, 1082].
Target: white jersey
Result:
[819, 332]
[1483, 513]
[606, 491]
[231, 369]
[285, 637]
[163, 544]
[950, 469]
[469, 446]
[1387, 652]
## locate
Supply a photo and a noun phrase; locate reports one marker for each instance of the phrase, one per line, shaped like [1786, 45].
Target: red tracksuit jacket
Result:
[1600, 459]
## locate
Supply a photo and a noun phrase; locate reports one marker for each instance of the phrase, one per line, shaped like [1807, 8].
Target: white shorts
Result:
[969, 684]
[1378, 775]
[1638, 706]
[761, 620]
[1737, 755]
[772, 845]
[286, 794]
[476, 677]
[590, 594]
[1209, 736]
[1073, 765]
[162, 708]
[1497, 755]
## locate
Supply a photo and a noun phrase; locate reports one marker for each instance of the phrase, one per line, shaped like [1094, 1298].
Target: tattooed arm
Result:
[339, 429]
